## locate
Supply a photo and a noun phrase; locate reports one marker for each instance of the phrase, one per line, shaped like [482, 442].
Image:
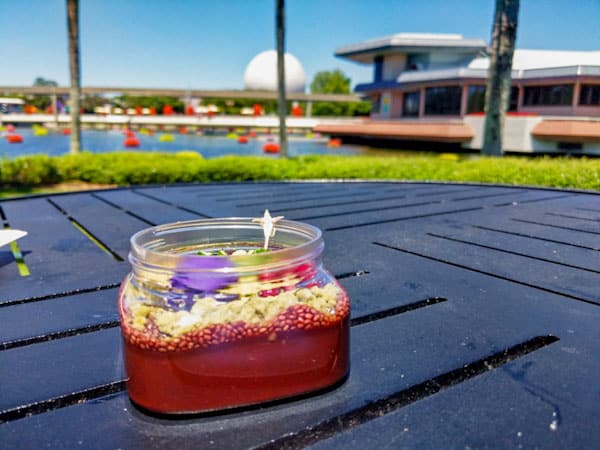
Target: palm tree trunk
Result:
[281, 102]
[75, 91]
[497, 95]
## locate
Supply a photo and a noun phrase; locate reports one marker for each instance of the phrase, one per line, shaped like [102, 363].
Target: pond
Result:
[96, 141]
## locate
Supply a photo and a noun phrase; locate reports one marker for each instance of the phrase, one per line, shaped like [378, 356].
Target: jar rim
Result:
[145, 242]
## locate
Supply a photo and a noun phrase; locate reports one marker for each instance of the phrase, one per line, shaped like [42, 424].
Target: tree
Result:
[40, 81]
[90, 102]
[281, 103]
[330, 82]
[41, 102]
[75, 91]
[234, 106]
[497, 96]
[335, 82]
[157, 102]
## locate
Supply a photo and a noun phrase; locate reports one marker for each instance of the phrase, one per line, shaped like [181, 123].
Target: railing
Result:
[181, 93]
[220, 121]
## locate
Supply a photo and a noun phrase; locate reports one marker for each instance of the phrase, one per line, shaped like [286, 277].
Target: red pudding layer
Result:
[230, 365]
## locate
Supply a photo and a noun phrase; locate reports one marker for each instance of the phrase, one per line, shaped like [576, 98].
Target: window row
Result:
[476, 99]
[446, 100]
[589, 94]
[555, 95]
[443, 100]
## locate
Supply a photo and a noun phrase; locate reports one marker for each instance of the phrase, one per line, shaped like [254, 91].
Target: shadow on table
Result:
[6, 257]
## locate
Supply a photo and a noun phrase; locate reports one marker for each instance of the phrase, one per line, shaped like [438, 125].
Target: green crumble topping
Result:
[250, 308]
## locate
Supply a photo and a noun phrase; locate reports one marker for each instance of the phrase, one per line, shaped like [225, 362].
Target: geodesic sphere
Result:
[261, 73]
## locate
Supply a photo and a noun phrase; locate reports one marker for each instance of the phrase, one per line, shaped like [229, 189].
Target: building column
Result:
[401, 106]
[464, 97]
[520, 97]
[422, 102]
[576, 93]
[309, 109]
[55, 107]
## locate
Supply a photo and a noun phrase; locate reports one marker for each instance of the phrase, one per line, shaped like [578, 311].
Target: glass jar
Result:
[212, 321]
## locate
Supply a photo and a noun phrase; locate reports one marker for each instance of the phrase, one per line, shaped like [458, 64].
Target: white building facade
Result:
[440, 79]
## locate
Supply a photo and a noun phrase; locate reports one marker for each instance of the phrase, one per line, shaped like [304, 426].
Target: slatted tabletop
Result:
[475, 318]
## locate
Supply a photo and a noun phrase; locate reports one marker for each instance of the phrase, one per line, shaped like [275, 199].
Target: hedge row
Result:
[123, 168]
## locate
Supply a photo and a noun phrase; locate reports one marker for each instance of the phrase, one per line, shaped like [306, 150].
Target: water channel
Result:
[98, 141]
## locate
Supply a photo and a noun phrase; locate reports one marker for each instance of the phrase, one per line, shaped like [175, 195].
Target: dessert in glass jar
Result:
[211, 319]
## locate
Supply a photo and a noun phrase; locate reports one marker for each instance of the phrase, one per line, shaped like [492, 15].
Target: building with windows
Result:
[431, 87]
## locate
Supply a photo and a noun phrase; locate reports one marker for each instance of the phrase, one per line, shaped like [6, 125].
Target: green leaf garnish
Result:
[260, 250]
[222, 252]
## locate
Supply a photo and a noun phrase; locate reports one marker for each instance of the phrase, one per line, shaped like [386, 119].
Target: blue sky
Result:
[207, 44]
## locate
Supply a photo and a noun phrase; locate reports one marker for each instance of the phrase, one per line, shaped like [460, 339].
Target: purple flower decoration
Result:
[199, 275]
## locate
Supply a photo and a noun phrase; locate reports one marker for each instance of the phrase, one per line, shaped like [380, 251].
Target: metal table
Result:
[475, 319]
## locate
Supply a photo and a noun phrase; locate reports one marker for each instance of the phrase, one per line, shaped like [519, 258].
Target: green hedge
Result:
[123, 168]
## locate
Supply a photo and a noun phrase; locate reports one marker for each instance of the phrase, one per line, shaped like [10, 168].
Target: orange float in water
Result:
[271, 147]
[242, 140]
[297, 111]
[183, 130]
[131, 142]
[14, 138]
[252, 134]
[334, 142]
[66, 131]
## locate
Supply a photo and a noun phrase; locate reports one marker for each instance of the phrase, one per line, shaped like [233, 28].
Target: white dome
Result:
[261, 73]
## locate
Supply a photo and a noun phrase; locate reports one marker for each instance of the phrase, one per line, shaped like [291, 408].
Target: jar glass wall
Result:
[210, 320]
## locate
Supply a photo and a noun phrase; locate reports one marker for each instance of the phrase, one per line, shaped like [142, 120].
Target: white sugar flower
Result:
[268, 224]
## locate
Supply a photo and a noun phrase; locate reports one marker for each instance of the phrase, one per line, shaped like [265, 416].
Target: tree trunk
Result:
[75, 91]
[497, 95]
[281, 101]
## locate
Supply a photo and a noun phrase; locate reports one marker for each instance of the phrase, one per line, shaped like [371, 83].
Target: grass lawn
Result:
[41, 173]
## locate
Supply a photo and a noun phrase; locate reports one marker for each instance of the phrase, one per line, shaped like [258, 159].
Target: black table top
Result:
[475, 318]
